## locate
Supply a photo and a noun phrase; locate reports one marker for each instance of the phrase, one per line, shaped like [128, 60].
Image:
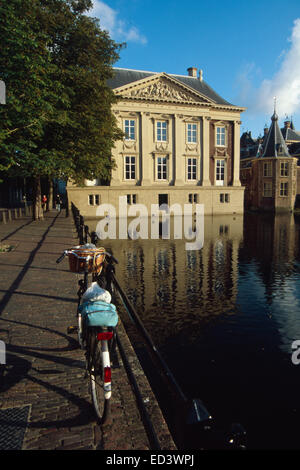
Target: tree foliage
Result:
[55, 62]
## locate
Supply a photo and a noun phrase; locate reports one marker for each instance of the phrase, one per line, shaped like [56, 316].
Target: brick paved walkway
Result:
[44, 366]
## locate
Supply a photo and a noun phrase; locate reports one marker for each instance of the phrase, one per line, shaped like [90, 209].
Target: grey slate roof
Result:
[125, 76]
[274, 144]
[290, 134]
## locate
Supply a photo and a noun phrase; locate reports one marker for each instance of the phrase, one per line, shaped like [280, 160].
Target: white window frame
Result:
[131, 129]
[191, 168]
[219, 172]
[219, 137]
[161, 126]
[191, 133]
[130, 166]
[159, 167]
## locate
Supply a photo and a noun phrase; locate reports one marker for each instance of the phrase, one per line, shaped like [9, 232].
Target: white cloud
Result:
[285, 84]
[118, 29]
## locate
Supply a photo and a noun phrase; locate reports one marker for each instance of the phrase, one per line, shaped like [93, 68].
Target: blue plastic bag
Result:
[99, 313]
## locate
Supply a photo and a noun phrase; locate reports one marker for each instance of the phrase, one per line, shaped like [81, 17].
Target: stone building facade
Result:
[181, 146]
[269, 171]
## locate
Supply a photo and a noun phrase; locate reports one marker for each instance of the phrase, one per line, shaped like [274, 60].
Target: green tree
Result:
[65, 127]
[25, 66]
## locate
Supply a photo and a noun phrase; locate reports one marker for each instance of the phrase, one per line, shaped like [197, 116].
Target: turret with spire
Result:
[274, 145]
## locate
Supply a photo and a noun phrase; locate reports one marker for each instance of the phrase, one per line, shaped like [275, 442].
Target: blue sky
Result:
[249, 51]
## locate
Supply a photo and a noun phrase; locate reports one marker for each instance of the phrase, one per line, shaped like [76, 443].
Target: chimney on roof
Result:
[200, 75]
[192, 71]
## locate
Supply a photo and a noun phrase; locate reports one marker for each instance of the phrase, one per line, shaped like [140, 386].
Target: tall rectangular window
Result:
[161, 168]
[130, 168]
[129, 129]
[283, 189]
[191, 133]
[267, 169]
[220, 136]
[284, 169]
[191, 169]
[161, 131]
[220, 172]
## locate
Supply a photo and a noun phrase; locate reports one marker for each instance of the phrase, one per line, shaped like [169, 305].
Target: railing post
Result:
[81, 229]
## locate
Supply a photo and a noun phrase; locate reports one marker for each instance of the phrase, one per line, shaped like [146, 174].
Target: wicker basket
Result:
[78, 256]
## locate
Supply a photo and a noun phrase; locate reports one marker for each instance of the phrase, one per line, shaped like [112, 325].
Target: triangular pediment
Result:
[161, 87]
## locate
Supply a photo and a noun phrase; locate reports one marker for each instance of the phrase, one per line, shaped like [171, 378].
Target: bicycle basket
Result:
[78, 257]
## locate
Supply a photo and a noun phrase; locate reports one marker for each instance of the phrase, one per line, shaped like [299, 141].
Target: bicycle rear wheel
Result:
[100, 377]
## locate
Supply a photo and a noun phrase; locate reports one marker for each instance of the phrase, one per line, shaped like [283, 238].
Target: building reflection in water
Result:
[224, 317]
[174, 289]
[270, 257]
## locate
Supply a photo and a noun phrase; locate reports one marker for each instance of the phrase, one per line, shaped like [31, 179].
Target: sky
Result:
[249, 51]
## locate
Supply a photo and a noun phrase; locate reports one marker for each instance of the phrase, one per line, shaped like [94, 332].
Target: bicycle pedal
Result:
[72, 329]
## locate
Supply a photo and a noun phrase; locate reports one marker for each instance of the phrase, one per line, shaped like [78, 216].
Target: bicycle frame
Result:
[102, 341]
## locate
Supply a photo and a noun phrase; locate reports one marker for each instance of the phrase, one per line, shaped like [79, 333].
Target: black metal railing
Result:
[196, 423]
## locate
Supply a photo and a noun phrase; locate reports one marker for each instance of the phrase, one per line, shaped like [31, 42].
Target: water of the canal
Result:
[224, 318]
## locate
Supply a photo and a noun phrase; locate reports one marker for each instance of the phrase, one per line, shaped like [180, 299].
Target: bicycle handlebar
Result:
[61, 257]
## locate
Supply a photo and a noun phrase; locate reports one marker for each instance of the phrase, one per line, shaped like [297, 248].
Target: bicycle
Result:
[97, 320]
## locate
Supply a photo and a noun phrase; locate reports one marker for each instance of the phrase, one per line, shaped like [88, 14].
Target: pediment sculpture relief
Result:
[162, 91]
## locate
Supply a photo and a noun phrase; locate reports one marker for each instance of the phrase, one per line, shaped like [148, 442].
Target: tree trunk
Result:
[50, 194]
[37, 204]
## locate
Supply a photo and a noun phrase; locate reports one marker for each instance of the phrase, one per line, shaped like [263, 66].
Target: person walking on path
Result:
[44, 202]
[58, 202]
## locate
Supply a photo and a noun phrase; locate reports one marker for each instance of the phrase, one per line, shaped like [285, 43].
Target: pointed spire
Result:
[274, 144]
[274, 117]
[292, 124]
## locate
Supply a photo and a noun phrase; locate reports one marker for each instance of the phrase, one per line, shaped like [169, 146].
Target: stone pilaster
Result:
[236, 154]
[205, 153]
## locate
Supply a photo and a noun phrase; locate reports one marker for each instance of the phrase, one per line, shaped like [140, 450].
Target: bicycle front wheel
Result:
[100, 378]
